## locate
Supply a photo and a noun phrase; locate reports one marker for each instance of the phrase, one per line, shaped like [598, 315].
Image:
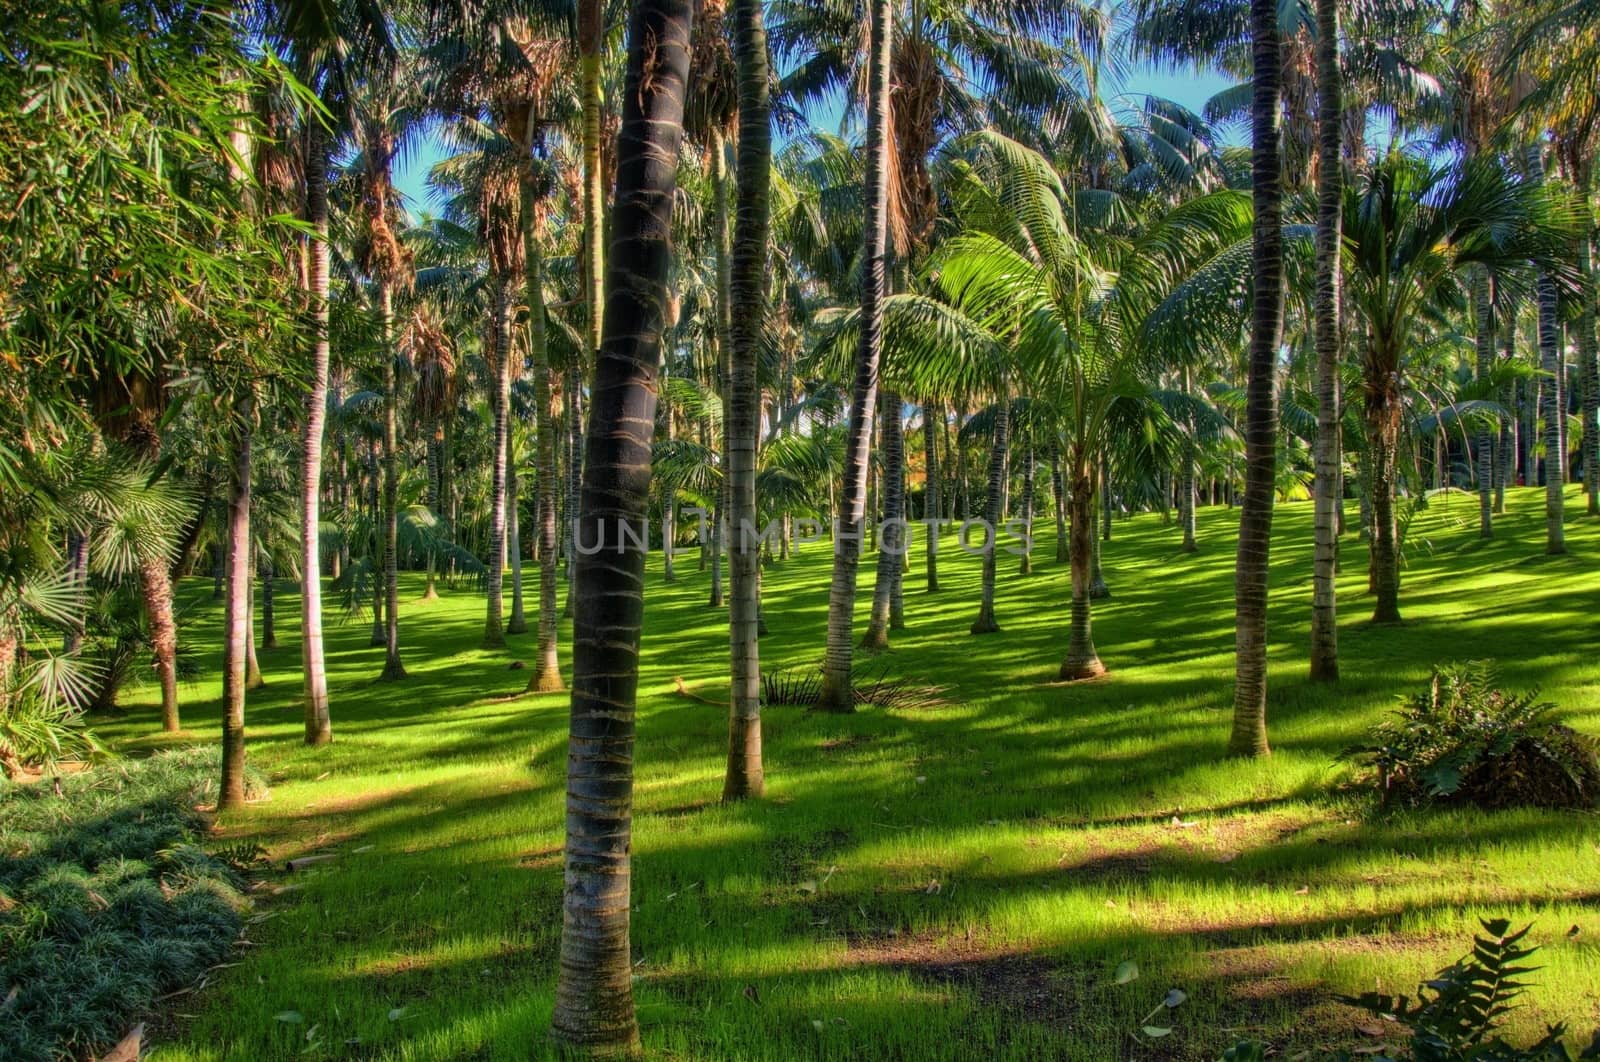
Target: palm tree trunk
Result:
[269, 626]
[1249, 736]
[1058, 488]
[375, 540]
[1081, 661]
[1383, 441]
[998, 473]
[1552, 409]
[888, 565]
[1329, 341]
[314, 670]
[1483, 325]
[253, 679]
[518, 623]
[574, 388]
[547, 671]
[838, 693]
[745, 776]
[236, 612]
[724, 312]
[594, 993]
[1588, 344]
[932, 495]
[1027, 510]
[392, 667]
[494, 635]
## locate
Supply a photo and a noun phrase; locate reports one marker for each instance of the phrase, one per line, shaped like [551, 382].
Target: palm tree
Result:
[594, 996]
[236, 608]
[1249, 737]
[1329, 339]
[745, 776]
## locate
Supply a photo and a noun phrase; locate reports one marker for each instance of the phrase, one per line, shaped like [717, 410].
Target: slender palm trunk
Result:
[1588, 346]
[253, 679]
[494, 635]
[889, 554]
[1329, 340]
[375, 540]
[1027, 510]
[1383, 443]
[547, 670]
[518, 622]
[838, 694]
[236, 613]
[574, 388]
[1483, 326]
[1058, 487]
[998, 473]
[1249, 737]
[269, 618]
[594, 993]
[318, 723]
[392, 667]
[932, 495]
[1552, 410]
[745, 775]
[1081, 661]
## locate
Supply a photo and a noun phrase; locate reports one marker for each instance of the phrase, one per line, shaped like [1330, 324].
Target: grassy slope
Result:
[942, 883]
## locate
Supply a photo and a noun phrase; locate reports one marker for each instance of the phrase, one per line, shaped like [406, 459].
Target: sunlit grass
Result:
[955, 882]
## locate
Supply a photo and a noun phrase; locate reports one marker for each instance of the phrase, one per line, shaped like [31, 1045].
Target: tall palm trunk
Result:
[724, 349]
[236, 612]
[932, 495]
[1249, 736]
[1588, 343]
[1552, 410]
[318, 723]
[747, 289]
[1483, 325]
[1081, 661]
[838, 694]
[1383, 444]
[253, 679]
[888, 566]
[1027, 510]
[1329, 340]
[518, 623]
[494, 635]
[594, 993]
[1058, 487]
[392, 667]
[992, 514]
[574, 388]
[269, 618]
[547, 670]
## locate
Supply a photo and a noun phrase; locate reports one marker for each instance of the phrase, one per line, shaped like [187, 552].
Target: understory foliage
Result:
[1466, 740]
[107, 901]
[1457, 1011]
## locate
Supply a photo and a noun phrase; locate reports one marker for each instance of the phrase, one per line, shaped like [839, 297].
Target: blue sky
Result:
[1186, 87]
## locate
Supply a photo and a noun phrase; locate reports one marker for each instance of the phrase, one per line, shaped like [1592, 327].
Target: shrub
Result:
[1458, 1010]
[1465, 740]
[106, 901]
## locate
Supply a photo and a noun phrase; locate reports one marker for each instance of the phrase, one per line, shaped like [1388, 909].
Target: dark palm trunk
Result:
[1552, 410]
[838, 694]
[494, 635]
[747, 291]
[1588, 344]
[547, 671]
[1249, 736]
[1027, 510]
[318, 723]
[594, 993]
[518, 621]
[1329, 339]
[724, 311]
[998, 472]
[269, 625]
[1081, 661]
[1383, 443]
[392, 667]
[236, 613]
[1483, 326]
[889, 554]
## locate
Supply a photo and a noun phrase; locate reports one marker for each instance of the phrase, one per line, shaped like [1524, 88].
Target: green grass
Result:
[955, 882]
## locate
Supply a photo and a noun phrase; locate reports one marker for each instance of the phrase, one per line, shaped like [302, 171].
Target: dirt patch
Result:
[1021, 983]
[544, 859]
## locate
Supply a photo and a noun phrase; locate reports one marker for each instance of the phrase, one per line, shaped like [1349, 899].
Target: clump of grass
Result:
[1466, 740]
[799, 687]
[107, 901]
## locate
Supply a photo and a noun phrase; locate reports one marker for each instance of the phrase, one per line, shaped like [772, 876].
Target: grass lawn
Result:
[949, 882]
